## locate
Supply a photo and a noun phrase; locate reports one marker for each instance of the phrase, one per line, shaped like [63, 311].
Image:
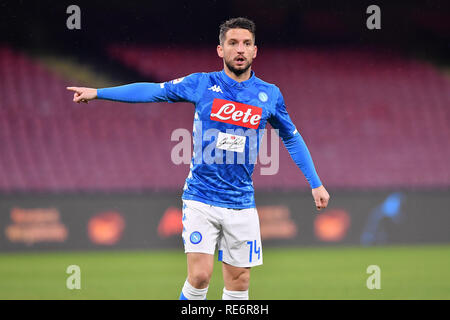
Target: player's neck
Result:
[239, 78]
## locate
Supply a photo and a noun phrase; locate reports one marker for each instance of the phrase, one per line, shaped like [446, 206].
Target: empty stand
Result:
[370, 119]
[48, 143]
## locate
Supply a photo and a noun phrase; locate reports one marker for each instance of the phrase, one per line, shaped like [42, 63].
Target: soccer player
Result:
[232, 107]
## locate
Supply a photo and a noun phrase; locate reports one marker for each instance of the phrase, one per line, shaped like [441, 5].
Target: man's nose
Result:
[240, 48]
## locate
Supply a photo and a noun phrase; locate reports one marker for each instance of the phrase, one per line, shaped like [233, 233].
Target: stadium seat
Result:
[371, 119]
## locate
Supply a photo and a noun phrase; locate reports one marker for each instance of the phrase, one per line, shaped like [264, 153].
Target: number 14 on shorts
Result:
[254, 250]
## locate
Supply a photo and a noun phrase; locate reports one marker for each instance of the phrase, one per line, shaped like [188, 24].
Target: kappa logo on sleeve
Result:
[236, 113]
[178, 80]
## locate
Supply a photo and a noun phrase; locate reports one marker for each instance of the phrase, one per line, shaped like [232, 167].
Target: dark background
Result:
[420, 26]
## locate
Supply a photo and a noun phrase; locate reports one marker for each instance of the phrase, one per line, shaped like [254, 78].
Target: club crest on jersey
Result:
[263, 96]
[236, 113]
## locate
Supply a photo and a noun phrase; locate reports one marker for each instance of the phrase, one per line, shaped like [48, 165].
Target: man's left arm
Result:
[298, 151]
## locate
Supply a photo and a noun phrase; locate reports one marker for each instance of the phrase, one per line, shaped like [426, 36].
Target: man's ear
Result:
[220, 51]
[256, 51]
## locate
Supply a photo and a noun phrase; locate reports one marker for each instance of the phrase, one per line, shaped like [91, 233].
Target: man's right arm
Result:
[134, 93]
[178, 90]
[131, 93]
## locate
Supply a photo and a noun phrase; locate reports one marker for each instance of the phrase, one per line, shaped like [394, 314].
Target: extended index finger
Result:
[75, 89]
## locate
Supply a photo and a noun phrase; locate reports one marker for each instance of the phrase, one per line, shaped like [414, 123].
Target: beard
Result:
[239, 71]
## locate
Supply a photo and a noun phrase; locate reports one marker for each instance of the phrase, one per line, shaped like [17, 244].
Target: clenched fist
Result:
[321, 197]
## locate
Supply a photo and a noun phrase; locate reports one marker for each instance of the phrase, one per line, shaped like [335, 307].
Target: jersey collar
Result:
[233, 83]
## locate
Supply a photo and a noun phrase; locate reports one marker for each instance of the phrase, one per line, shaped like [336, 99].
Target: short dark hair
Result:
[236, 23]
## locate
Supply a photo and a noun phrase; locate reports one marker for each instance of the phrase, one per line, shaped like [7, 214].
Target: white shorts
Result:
[234, 232]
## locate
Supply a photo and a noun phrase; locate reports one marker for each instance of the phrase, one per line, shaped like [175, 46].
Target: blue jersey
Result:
[229, 122]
